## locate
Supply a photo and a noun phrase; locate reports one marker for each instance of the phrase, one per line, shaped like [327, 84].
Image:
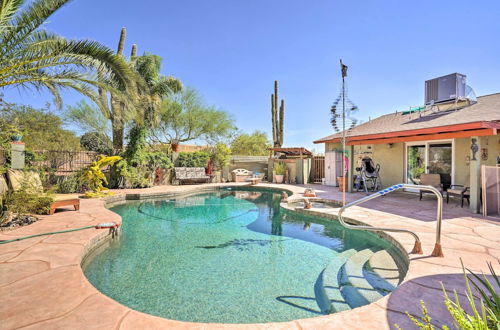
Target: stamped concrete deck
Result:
[43, 287]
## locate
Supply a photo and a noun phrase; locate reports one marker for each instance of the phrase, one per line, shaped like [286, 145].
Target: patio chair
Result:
[433, 180]
[458, 190]
[370, 175]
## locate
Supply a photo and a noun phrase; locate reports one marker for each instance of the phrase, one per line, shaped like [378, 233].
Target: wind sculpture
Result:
[345, 114]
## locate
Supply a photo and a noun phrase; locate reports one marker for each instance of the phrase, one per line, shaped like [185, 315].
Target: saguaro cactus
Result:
[115, 106]
[278, 121]
[133, 53]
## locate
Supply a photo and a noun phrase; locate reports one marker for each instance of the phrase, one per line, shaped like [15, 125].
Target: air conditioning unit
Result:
[446, 88]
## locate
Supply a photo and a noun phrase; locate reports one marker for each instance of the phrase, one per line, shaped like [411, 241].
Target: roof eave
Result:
[421, 131]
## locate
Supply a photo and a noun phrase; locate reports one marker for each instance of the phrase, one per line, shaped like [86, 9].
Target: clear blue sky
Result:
[233, 50]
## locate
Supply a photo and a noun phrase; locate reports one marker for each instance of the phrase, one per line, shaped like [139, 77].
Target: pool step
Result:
[368, 276]
[330, 298]
[355, 288]
[386, 271]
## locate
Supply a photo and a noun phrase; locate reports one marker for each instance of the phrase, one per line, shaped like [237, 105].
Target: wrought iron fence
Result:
[60, 162]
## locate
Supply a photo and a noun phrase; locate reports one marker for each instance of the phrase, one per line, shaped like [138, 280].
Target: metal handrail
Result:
[437, 252]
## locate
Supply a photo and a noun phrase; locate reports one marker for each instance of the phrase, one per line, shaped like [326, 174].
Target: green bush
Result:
[193, 159]
[69, 184]
[138, 167]
[158, 159]
[280, 168]
[98, 142]
[221, 155]
[132, 176]
[24, 202]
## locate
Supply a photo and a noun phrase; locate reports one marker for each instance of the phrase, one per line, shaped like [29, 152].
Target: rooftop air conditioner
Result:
[445, 88]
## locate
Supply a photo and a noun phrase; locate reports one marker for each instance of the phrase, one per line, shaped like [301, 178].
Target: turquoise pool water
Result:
[229, 256]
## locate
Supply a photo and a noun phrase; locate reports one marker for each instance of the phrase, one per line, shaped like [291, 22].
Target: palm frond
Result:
[33, 57]
[8, 9]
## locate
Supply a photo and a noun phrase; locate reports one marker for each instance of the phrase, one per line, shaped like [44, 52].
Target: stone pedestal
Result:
[17, 155]
[475, 174]
[350, 169]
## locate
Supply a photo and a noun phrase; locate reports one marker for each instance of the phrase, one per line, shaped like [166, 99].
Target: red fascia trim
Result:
[420, 131]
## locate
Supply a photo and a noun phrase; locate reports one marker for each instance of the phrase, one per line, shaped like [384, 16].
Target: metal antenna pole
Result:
[344, 183]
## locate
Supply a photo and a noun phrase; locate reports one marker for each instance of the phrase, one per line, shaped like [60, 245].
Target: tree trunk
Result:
[118, 130]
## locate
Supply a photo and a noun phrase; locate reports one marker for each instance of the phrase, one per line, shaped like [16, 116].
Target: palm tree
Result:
[32, 57]
[156, 86]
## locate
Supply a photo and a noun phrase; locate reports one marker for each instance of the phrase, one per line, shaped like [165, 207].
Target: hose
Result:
[111, 225]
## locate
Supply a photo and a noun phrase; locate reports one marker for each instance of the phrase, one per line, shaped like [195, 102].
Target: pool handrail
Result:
[417, 248]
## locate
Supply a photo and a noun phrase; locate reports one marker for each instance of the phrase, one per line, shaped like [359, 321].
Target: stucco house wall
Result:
[392, 158]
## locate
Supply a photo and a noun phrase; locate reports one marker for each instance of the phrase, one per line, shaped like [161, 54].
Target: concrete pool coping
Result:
[43, 285]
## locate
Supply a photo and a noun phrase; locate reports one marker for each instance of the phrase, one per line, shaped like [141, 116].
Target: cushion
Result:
[18, 177]
[455, 191]
[64, 197]
[433, 180]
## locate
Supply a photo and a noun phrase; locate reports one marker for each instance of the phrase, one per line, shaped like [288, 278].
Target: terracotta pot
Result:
[279, 178]
[342, 183]
[175, 147]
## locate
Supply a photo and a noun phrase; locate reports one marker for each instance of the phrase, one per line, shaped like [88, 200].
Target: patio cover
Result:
[294, 151]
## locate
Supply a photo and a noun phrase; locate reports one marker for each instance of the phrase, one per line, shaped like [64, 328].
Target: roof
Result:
[296, 151]
[481, 115]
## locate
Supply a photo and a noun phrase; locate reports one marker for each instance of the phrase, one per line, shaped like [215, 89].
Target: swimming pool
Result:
[235, 256]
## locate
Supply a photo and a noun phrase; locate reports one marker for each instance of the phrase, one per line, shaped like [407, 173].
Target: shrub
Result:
[69, 184]
[279, 168]
[193, 159]
[98, 142]
[132, 176]
[156, 160]
[25, 201]
[221, 154]
[93, 178]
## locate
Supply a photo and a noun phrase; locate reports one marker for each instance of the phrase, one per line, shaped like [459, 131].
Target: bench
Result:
[193, 174]
[75, 202]
[241, 175]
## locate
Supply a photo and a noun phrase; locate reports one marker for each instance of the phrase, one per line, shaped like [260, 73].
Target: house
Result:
[452, 137]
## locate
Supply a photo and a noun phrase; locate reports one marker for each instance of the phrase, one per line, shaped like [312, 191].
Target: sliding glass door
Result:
[415, 164]
[429, 157]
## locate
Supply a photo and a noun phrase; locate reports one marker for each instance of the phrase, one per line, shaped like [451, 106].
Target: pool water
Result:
[231, 256]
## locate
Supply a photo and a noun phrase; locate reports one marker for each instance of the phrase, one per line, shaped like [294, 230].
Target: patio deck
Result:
[43, 286]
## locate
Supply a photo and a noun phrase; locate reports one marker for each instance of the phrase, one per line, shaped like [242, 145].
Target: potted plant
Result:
[15, 134]
[279, 170]
[341, 182]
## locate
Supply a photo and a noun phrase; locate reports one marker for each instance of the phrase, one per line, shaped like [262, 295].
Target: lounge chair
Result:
[433, 180]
